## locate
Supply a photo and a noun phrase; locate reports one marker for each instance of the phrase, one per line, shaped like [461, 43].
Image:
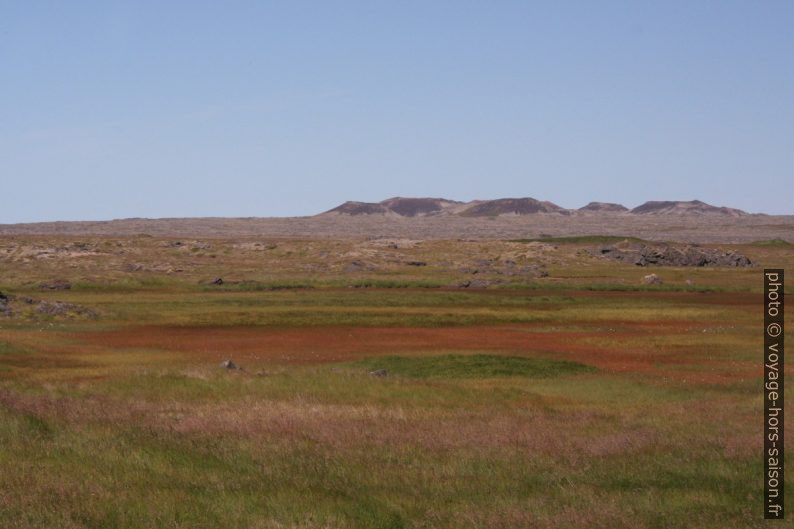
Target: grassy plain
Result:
[581, 398]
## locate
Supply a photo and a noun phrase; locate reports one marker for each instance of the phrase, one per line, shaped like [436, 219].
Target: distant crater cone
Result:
[360, 208]
[396, 206]
[604, 206]
[409, 207]
[679, 207]
[415, 207]
[512, 206]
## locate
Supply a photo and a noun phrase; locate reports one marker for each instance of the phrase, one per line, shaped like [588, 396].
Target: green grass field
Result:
[580, 399]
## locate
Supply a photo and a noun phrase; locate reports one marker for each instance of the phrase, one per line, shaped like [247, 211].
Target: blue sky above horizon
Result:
[175, 109]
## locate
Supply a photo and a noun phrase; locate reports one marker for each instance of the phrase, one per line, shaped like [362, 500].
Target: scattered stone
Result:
[5, 310]
[132, 267]
[228, 364]
[652, 279]
[175, 244]
[507, 267]
[358, 266]
[379, 373]
[60, 308]
[476, 283]
[394, 244]
[58, 284]
[217, 281]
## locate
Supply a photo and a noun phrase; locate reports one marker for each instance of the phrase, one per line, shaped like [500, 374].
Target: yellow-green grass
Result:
[658, 426]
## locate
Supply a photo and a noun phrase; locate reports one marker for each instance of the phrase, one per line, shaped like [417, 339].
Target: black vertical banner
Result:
[773, 395]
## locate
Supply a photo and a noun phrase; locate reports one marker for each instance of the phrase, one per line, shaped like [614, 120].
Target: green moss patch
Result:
[472, 366]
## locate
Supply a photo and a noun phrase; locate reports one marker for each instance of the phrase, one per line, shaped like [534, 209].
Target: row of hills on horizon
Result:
[424, 207]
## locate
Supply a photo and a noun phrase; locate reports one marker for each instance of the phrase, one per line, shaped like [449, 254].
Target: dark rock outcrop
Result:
[670, 255]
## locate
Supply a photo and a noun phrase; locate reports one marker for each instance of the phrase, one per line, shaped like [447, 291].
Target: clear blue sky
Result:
[163, 109]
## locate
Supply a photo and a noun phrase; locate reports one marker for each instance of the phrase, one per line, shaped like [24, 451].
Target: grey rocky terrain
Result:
[642, 254]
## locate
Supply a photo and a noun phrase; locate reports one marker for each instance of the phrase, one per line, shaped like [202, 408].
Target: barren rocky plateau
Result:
[685, 229]
[423, 218]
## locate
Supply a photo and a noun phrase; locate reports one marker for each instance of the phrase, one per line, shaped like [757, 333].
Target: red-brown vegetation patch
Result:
[336, 344]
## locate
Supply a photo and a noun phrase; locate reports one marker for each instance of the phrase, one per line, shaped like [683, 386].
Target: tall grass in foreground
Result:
[606, 409]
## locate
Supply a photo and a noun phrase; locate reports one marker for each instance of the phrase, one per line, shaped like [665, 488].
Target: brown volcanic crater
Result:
[604, 206]
[402, 206]
[426, 207]
[413, 207]
[680, 207]
[438, 218]
[512, 206]
[360, 208]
